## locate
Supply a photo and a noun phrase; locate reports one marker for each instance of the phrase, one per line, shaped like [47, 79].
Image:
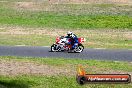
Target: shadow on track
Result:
[64, 51]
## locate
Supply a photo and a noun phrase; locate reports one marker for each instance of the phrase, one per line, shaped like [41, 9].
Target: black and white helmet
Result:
[69, 33]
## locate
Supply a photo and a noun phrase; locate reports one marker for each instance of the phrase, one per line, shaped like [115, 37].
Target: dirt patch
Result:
[33, 6]
[49, 5]
[29, 31]
[110, 34]
[92, 1]
[24, 67]
[26, 5]
[15, 30]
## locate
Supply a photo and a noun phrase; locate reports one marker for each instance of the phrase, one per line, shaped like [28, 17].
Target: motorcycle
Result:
[62, 44]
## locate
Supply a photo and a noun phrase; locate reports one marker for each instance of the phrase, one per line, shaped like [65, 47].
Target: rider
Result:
[74, 39]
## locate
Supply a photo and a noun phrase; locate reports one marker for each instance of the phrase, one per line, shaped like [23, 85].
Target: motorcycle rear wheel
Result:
[79, 48]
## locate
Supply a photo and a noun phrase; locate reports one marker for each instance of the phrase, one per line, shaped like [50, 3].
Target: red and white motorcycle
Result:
[62, 45]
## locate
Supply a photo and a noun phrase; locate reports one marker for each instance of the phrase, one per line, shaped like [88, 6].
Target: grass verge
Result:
[60, 81]
[46, 37]
[125, 66]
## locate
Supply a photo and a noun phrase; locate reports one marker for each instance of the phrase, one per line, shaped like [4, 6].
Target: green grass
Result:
[67, 17]
[53, 20]
[60, 81]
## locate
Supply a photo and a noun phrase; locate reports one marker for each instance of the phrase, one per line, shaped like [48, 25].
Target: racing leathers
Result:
[74, 41]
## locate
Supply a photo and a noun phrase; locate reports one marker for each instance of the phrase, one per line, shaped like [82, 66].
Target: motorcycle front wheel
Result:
[54, 48]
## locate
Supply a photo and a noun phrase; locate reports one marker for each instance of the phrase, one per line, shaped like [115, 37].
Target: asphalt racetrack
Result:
[37, 51]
